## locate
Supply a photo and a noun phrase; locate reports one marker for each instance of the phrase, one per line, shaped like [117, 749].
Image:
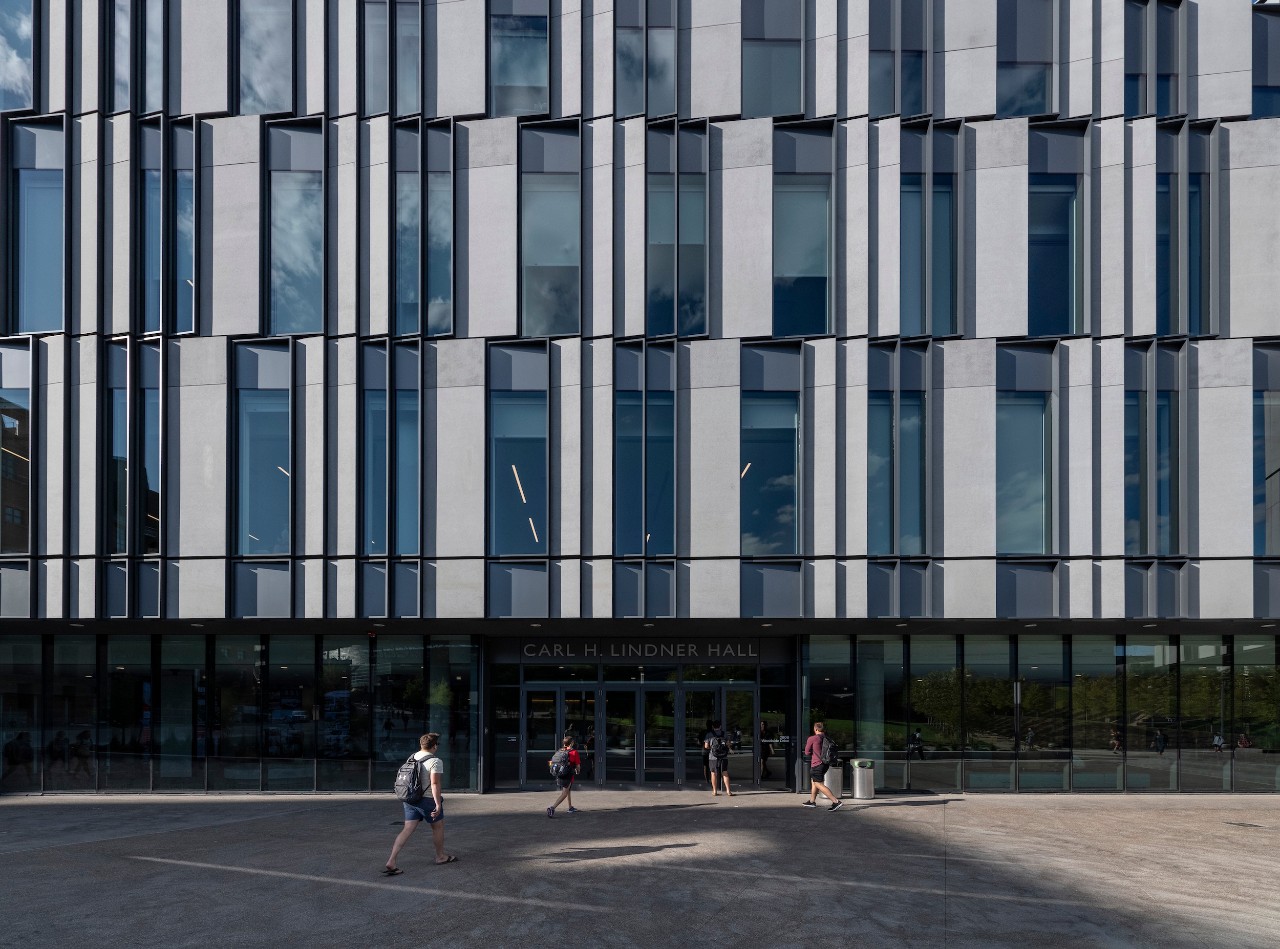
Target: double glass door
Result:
[735, 709]
[550, 714]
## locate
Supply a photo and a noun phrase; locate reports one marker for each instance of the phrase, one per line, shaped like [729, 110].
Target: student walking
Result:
[821, 753]
[716, 745]
[429, 809]
[564, 765]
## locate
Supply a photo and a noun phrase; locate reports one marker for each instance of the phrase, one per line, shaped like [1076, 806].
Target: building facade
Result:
[521, 367]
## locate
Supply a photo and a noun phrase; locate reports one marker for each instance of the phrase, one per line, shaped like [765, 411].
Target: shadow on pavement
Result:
[576, 854]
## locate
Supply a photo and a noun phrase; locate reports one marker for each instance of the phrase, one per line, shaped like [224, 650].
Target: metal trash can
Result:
[864, 779]
[834, 779]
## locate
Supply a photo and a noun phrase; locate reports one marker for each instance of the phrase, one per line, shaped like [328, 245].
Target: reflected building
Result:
[507, 371]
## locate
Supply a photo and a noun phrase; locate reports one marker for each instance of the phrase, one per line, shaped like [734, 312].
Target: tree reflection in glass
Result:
[297, 252]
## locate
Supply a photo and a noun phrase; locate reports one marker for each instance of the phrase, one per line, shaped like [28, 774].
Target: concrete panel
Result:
[996, 228]
[1076, 92]
[852, 62]
[1219, 58]
[1108, 589]
[711, 33]
[1222, 589]
[884, 147]
[597, 213]
[708, 407]
[1220, 428]
[966, 61]
[456, 450]
[1108, 228]
[83, 445]
[713, 589]
[741, 185]
[1251, 228]
[566, 589]
[311, 60]
[196, 589]
[1075, 589]
[85, 41]
[821, 58]
[1140, 161]
[597, 589]
[118, 266]
[376, 221]
[566, 58]
[965, 500]
[51, 355]
[629, 227]
[83, 582]
[85, 194]
[851, 589]
[597, 58]
[309, 576]
[341, 595]
[457, 589]
[51, 61]
[853, 244]
[820, 589]
[1075, 470]
[342, 198]
[821, 459]
[456, 34]
[1108, 75]
[1108, 451]
[566, 451]
[51, 584]
[344, 61]
[231, 202]
[203, 87]
[597, 448]
[341, 463]
[851, 449]
[196, 413]
[487, 251]
[309, 447]
[968, 589]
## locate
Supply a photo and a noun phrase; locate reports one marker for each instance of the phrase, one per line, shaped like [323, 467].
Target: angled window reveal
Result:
[39, 258]
[296, 255]
[550, 231]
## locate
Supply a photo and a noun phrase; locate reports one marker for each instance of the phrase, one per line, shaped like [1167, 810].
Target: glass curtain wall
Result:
[1204, 708]
[408, 259]
[183, 740]
[236, 714]
[772, 57]
[391, 463]
[927, 236]
[934, 739]
[991, 727]
[439, 234]
[644, 74]
[412, 280]
[691, 231]
[1024, 53]
[345, 726]
[628, 58]
[16, 34]
[15, 448]
[296, 249]
[896, 440]
[802, 222]
[675, 227]
[1254, 736]
[1042, 699]
[152, 251]
[263, 449]
[1168, 46]
[1025, 456]
[1152, 451]
[266, 56]
[899, 48]
[1266, 451]
[184, 229]
[116, 475]
[518, 452]
[519, 70]
[408, 57]
[769, 479]
[453, 708]
[71, 715]
[1135, 58]
[38, 256]
[399, 704]
[550, 231]
[20, 678]
[1098, 732]
[375, 46]
[1152, 735]
[128, 745]
[288, 690]
[880, 692]
[121, 53]
[644, 452]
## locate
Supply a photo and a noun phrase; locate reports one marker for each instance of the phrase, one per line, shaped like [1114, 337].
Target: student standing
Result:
[818, 769]
[716, 746]
[564, 765]
[429, 809]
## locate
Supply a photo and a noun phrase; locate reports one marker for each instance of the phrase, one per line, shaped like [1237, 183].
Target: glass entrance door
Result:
[550, 714]
[739, 712]
[620, 737]
[659, 739]
[699, 712]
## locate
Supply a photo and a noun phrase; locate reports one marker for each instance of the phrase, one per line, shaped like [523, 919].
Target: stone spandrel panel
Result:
[486, 255]
[230, 200]
[965, 63]
[1076, 67]
[741, 208]
[964, 460]
[711, 32]
[456, 36]
[1251, 228]
[1220, 455]
[567, 63]
[1219, 58]
[196, 429]
[995, 228]
[204, 87]
[708, 407]
[1140, 249]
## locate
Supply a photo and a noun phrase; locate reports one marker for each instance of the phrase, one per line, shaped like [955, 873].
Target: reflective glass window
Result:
[439, 290]
[342, 745]
[1053, 255]
[911, 254]
[882, 67]
[880, 694]
[990, 714]
[184, 211]
[518, 65]
[408, 58]
[117, 469]
[16, 31]
[1043, 725]
[15, 449]
[1204, 706]
[377, 44]
[151, 253]
[914, 53]
[71, 716]
[628, 467]
[1166, 253]
[772, 57]
[1024, 54]
[1135, 468]
[374, 462]
[1167, 49]
[1023, 472]
[1253, 737]
[289, 687]
[691, 228]
[660, 228]
[121, 54]
[628, 62]
[263, 456]
[399, 703]
[408, 231]
[266, 56]
[183, 709]
[770, 458]
[660, 66]
[1135, 57]
[801, 254]
[1266, 453]
[1097, 728]
[153, 58]
[453, 707]
[1152, 731]
[551, 233]
[236, 714]
[1266, 64]
[880, 480]
[518, 473]
[1198, 256]
[37, 157]
[20, 684]
[297, 251]
[933, 732]
[128, 714]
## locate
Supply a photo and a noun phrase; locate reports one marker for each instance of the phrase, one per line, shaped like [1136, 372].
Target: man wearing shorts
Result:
[565, 783]
[429, 809]
[817, 769]
[718, 764]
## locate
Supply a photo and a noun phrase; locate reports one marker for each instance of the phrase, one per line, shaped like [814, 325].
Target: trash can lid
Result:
[863, 763]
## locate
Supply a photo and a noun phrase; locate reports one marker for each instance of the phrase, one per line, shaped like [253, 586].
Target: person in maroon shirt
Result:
[818, 770]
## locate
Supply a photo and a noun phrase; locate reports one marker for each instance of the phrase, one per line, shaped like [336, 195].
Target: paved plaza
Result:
[644, 868]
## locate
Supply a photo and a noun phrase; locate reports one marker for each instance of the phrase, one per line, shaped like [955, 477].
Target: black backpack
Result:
[827, 751]
[409, 787]
[561, 766]
[719, 747]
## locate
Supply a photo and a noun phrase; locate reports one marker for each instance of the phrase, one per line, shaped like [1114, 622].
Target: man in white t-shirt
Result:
[429, 809]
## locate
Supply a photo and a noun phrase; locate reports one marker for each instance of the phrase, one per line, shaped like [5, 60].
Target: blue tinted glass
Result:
[408, 58]
[39, 250]
[911, 473]
[439, 253]
[1052, 256]
[1167, 42]
[628, 73]
[943, 286]
[1023, 88]
[1135, 93]
[149, 486]
[659, 475]
[628, 470]
[1266, 473]
[1135, 57]
[1022, 473]
[550, 254]
[772, 81]
[262, 469]
[153, 67]
[660, 256]
[15, 469]
[1166, 254]
[376, 48]
[662, 72]
[408, 250]
[801, 252]
[15, 41]
[1166, 486]
[911, 256]
[517, 473]
[1135, 450]
[768, 479]
[1166, 95]
[374, 473]
[184, 214]
[266, 56]
[408, 484]
[518, 71]
[152, 259]
[121, 53]
[297, 252]
[692, 259]
[118, 472]
[880, 500]
[1197, 254]
[913, 82]
[880, 77]
[1266, 101]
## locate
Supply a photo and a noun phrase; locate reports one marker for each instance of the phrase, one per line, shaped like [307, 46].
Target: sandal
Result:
[449, 859]
[391, 871]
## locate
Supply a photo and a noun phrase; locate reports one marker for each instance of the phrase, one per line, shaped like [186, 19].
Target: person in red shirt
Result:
[565, 765]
